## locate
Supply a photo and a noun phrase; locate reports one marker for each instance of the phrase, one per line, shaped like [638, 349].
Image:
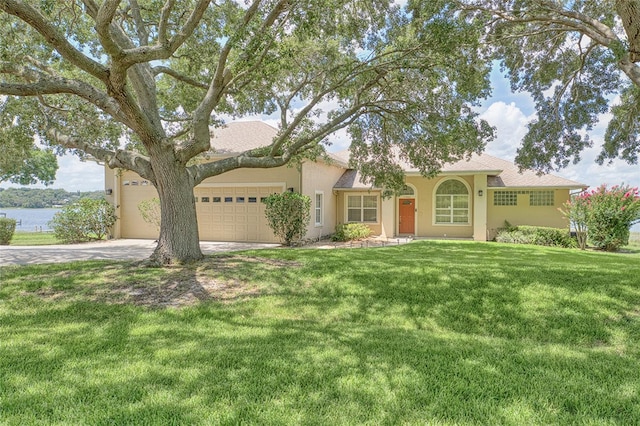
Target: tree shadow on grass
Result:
[490, 337]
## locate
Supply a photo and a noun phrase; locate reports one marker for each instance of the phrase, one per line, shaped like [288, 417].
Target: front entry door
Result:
[407, 211]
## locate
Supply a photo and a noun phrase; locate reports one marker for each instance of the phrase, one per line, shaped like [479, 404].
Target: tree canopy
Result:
[578, 60]
[138, 83]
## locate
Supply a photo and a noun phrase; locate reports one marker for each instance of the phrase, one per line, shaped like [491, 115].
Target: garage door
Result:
[233, 213]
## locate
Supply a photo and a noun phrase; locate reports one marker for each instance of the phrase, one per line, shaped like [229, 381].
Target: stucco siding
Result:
[525, 214]
[425, 210]
[318, 177]
[290, 176]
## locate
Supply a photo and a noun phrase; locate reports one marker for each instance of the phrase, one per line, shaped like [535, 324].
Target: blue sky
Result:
[508, 112]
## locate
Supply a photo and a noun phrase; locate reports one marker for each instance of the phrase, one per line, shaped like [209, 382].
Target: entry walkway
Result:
[125, 249]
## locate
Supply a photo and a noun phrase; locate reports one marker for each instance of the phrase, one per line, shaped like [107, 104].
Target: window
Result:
[452, 203]
[217, 199]
[541, 198]
[228, 199]
[505, 198]
[318, 208]
[204, 199]
[407, 190]
[253, 199]
[362, 208]
[536, 198]
[239, 199]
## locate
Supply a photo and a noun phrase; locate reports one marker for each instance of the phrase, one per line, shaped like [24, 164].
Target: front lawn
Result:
[433, 332]
[33, 239]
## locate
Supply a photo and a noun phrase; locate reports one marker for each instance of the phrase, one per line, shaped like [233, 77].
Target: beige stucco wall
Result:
[524, 214]
[424, 202]
[287, 175]
[127, 197]
[318, 176]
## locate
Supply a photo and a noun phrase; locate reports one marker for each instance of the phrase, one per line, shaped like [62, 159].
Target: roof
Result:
[240, 136]
[500, 174]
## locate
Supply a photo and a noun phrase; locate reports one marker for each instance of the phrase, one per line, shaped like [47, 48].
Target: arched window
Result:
[452, 202]
[407, 190]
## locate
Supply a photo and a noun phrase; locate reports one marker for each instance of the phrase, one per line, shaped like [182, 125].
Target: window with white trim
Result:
[319, 206]
[362, 208]
[452, 203]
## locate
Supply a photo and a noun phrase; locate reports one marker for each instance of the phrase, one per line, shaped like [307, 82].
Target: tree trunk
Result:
[629, 12]
[179, 241]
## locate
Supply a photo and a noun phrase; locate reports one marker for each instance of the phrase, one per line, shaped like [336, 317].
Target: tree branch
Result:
[180, 77]
[40, 83]
[115, 159]
[38, 22]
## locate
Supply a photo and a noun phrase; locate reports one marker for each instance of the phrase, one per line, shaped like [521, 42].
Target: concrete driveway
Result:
[126, 249]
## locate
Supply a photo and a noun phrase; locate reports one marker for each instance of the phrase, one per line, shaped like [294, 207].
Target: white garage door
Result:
[233, 213]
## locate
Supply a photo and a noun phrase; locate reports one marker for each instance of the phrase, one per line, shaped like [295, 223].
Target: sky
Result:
[509, 112]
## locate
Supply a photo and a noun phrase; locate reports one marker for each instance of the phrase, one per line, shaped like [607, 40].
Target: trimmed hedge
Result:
[351, 232]
[7, 228]
[537, 235]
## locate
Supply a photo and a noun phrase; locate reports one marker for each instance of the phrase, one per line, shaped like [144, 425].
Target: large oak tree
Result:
[578, 59]
[138, 83]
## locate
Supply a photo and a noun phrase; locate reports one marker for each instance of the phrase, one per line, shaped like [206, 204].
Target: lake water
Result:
[32, 220]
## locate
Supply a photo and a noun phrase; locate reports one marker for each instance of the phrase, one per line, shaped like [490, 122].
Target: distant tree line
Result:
[41, 198]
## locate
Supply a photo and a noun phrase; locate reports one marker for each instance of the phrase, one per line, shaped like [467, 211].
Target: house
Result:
[468, 199]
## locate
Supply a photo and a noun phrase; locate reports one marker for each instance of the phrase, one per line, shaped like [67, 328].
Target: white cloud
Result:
[511, 124]
[73, 175]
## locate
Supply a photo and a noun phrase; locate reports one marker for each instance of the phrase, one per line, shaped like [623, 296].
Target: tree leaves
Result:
[573, 58]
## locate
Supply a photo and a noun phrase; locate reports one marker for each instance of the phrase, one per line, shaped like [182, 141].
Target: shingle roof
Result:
[240, 136]
[500, 173]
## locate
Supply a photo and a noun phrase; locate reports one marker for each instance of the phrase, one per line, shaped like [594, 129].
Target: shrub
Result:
[351, 232]
[288, 215]
[7, 228]
[150, 211]
[538, 235]
[83, 220]
[605, 215]
[577, 211]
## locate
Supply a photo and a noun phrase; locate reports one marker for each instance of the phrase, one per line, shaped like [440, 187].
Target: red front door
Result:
[407, 211]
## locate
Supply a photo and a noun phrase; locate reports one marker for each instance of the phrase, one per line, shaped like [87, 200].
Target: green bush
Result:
[351, 232]
[7, 228]
[288, 215]
[83, 220]
[538, 235]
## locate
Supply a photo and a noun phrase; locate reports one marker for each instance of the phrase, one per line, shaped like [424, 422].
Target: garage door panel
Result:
[234, 213]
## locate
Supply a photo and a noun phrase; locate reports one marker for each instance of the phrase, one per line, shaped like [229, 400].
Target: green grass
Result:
[33, 239]
[433, 332]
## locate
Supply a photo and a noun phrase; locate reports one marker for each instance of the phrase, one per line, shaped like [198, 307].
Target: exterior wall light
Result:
[480, 192]
[108, 191]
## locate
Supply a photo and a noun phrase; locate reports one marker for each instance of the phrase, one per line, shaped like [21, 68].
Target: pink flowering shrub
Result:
[604, 215]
